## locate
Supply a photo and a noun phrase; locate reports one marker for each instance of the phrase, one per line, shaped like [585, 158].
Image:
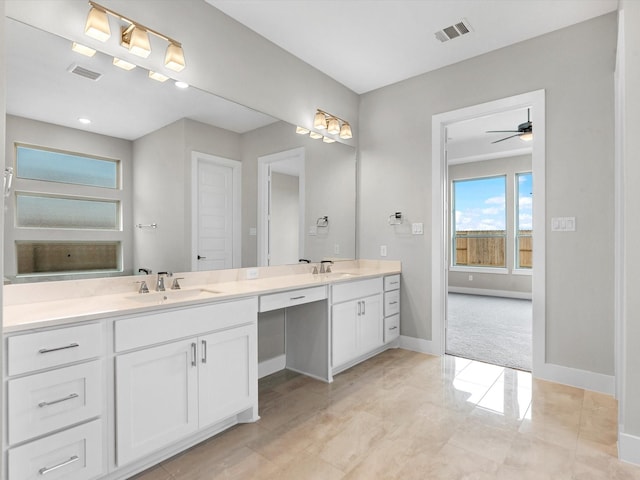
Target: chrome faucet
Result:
[143, 287]
[326, 269]
[175, 285]
[160, 281]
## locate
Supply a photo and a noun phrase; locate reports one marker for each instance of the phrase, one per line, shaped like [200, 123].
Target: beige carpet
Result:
[490, 329]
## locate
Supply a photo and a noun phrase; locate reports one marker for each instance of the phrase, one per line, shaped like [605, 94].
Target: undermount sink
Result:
[169, 296]
[340, 275]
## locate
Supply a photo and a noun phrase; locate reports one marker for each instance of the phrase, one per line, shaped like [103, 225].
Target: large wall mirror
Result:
[162, 178]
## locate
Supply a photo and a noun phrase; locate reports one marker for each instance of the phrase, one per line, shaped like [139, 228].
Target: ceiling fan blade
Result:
[502, 131]
[506, 138]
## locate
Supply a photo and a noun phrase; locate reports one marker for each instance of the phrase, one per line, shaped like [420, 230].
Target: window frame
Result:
[498, 269]
[517, 269]
[17, 234]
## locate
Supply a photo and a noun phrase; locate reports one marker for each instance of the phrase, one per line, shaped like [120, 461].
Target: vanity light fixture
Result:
[134, 36]
[158, 76]
[302, 130]
[333, 124]
[328, 140]
[97, 25]
[83, 49]
[315, 135]
[123, 64]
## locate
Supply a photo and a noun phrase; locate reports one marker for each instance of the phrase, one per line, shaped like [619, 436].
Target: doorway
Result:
[216, 223]
[441, 251]
[281, 207]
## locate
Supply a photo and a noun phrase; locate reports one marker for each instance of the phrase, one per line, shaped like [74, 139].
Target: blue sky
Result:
[480, 203]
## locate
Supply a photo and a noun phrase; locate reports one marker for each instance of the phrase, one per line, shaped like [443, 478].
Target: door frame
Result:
[236, 167]
[264, 162]
[439, 217]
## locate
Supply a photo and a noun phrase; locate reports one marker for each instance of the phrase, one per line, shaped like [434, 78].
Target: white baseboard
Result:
[272, 365]
[593, 381]
[628, 448]
[418, 345]
[491, 293]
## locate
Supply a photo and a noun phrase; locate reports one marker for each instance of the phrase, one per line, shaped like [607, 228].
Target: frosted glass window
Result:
[66, 257]
[58, 212]
[51, 166]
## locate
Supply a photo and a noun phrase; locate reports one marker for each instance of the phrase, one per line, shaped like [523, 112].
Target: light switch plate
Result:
[313, 230]
[252, 231]
[563, 224]
[417, 228]
[383, 250]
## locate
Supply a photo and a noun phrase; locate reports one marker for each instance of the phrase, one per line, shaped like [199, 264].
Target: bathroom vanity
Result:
[103, 382]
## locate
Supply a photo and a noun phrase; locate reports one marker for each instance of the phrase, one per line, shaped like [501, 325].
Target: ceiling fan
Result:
[524, 131]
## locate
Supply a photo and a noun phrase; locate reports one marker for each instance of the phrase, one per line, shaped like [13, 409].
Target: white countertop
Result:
[38, 305]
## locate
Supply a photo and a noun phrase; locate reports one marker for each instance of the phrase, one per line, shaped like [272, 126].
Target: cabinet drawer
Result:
[75, 454]
[391, 328]
[392, 282]
[291, 298]
[51, 348]
[357, 289]
[391, 302]
[174, 324]
[52, 400]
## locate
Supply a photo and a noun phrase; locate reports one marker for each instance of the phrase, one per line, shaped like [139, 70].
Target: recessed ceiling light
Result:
[84, 121]
[123, 64]
[180, 84]
[83, 49]
[158, 76]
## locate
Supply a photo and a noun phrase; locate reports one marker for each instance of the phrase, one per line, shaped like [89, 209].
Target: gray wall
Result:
[33, 132]
[162, 190]
[493, 281]
[575, 67]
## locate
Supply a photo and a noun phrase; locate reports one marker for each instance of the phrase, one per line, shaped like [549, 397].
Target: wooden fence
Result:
[480, 248]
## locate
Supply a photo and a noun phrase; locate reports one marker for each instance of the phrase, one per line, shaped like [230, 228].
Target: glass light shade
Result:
[320, 121]
[174, 58]
[527, 137]
[334, 126]
[139, 42]
[82, 49]
[97, 25]
[328, 140]
[302, 130]
[123, 64]
[315, 135]
[345, 131]
[158, 76]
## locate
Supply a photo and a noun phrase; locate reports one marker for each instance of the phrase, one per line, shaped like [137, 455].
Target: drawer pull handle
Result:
[204, 351]
[393, 283]
[393, 303]
[393, 328]
[49, 350]
[45, 470]
[60, 400]
[298, 298]
[193, 354]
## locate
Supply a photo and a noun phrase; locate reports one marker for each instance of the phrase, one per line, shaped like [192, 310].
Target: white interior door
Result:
[216, 236]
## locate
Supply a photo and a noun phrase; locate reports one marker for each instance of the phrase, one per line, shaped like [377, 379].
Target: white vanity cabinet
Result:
[356, 320]
[391, 308]
[55, 398]
[168, 391]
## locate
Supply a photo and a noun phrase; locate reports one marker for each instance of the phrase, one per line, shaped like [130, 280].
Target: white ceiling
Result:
[367, 44]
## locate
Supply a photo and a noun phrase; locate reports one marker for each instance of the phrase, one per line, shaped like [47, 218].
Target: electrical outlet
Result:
[336, 249]
[383, 250]
[471, 278]
[252, 273]
[313, 230]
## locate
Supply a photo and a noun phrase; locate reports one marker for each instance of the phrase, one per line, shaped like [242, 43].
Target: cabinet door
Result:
[370, 324]
[344, 332]
[156, 398]
[228, 373]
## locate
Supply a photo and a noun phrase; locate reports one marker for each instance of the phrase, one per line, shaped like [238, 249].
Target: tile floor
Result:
[405, 415]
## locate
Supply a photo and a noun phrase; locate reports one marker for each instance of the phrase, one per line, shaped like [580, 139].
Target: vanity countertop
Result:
[72, 302]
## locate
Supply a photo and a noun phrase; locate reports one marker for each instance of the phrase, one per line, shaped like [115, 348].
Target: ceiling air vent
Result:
[461, 28]
[84, 72]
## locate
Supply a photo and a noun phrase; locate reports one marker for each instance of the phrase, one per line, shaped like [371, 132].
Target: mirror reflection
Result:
[201, 183]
